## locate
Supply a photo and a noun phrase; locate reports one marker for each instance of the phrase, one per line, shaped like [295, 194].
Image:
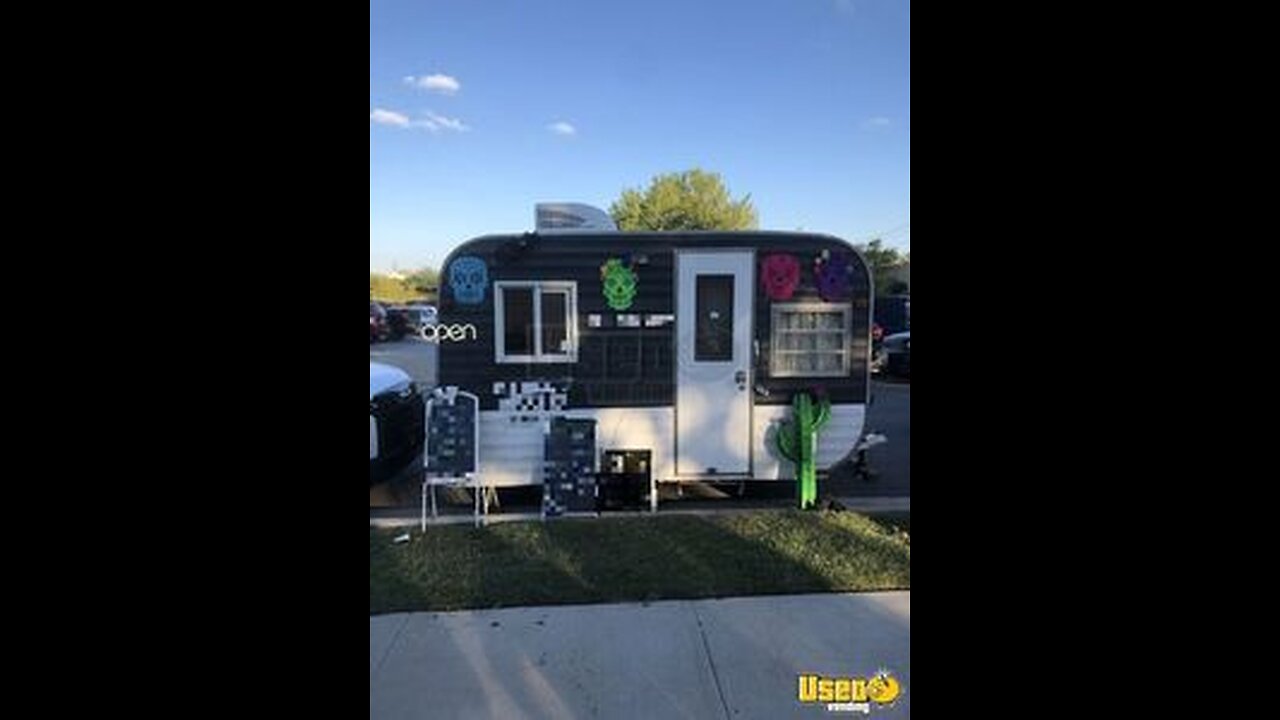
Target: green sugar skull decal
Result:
[619, 283]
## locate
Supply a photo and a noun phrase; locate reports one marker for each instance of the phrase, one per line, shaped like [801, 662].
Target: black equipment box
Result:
[623, 481]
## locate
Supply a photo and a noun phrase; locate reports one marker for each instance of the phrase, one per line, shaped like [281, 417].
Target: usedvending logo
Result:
[849, 694]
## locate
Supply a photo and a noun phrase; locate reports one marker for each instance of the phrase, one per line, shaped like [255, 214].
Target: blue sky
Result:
[481, 108]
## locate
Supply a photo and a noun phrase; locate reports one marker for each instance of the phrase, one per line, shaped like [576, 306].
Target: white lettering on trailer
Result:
[452, 333]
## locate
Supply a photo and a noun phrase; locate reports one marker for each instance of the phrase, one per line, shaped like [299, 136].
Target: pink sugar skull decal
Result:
[831, 274]
[779, 274]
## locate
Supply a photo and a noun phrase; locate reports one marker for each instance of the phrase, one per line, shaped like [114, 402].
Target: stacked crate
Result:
[568, 471]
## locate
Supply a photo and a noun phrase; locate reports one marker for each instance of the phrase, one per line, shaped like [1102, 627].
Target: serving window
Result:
[811, 340]
[535, 322]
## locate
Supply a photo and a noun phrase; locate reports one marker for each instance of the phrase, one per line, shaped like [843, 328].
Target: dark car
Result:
[893, 313]
[377, 322]
[397, 424]
[398, 322]
[405, 320]
[895, 355]
[420, 316]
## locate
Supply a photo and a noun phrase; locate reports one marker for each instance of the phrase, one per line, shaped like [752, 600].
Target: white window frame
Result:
[775, 353]
[569, 288]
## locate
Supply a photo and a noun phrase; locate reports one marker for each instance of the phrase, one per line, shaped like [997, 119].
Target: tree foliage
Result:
[883, 261]
[425, 281]
[417, 285]
[690, 200]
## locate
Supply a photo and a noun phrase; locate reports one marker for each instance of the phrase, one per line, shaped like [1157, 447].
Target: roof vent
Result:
[571, 217]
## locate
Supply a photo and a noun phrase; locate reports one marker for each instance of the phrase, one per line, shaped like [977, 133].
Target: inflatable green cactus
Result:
[798, 442]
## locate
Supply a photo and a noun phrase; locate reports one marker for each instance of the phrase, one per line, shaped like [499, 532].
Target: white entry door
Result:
[713, 362]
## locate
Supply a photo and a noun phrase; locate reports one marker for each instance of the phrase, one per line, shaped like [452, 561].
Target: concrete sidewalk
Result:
[733, 658]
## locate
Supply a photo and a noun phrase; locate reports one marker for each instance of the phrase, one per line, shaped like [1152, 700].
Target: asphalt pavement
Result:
[889, 414]
[411, 354]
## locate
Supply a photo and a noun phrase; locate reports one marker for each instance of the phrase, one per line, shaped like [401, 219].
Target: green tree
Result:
[883, 261]
[690, 200]
[388, 289]
[420, 284]
[424, 283]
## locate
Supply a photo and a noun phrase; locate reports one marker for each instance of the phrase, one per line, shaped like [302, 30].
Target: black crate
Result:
[569, 466]
[623, 480]
[633, 462]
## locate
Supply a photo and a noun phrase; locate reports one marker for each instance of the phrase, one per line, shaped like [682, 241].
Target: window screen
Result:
[713, 324]
[810, 339]
[517, 319]
[555, 330]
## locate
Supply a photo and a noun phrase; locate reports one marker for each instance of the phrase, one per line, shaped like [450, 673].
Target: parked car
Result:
[428, 312]
[397, 322]
[397, 423]
[418, 316]
[377, 322]
[895, 355]
[893, 313]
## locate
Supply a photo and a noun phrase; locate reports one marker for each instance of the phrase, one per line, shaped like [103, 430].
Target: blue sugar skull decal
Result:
[468, 277]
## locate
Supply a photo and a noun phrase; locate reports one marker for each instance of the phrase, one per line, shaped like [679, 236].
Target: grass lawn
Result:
[637, 558]
[894, 521]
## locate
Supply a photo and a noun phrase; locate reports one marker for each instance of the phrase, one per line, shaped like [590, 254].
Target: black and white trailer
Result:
[688, 345]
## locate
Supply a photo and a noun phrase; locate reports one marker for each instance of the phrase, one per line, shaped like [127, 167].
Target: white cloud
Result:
[388, 117]
[431, 121]
[876, 123]
[562, 128]
[435, 123]
[439, 82]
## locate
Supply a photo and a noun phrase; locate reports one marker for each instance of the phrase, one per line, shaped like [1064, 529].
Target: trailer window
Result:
[517, 320]
[713, 326]
[811, 340]
[555, 321]
[535, 322]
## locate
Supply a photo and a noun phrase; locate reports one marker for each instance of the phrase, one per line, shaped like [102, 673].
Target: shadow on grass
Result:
[892, 521]
[633, 559]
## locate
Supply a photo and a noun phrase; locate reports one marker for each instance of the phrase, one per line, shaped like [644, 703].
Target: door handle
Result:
[740, 377]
